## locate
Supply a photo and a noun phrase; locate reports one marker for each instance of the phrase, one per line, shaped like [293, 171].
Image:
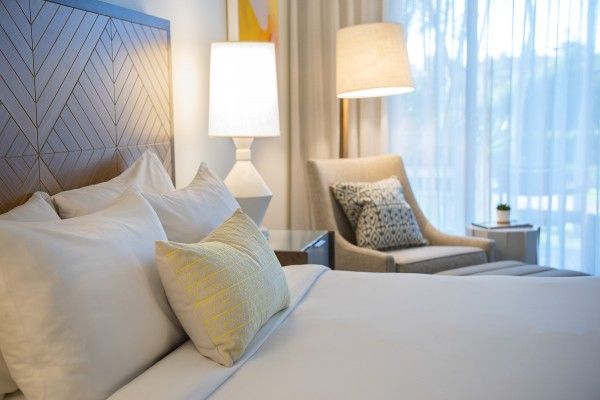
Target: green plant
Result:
[503, 207]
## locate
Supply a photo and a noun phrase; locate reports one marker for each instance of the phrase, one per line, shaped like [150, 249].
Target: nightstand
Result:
[303, 247]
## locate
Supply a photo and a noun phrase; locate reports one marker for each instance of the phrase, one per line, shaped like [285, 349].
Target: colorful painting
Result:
[253, 20]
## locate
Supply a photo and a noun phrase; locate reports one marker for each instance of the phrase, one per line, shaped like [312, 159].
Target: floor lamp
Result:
[371, 61]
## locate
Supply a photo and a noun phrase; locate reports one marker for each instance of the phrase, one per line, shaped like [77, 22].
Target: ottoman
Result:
[510, 268]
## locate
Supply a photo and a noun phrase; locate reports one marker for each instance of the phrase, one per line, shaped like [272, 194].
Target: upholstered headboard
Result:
[85, 88]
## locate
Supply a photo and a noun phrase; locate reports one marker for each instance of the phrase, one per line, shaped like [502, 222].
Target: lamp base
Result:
[246, 184]
[255, 207]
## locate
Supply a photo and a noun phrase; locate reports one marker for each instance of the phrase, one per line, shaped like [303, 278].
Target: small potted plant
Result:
[503, 213]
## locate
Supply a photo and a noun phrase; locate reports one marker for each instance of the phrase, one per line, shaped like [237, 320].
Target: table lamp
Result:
[243, 105]
[371, 61]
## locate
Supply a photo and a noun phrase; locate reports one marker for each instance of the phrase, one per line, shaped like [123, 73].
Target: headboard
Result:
[85, 88]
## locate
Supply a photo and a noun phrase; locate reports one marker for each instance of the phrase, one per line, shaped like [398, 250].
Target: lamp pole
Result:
[344, 127]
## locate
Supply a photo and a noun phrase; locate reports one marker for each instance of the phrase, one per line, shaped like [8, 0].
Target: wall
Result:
[194, 25]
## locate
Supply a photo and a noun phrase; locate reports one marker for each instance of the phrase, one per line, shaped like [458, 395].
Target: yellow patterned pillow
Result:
[224, 288]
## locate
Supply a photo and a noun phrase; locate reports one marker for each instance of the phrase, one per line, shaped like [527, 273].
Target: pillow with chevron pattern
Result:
[224, 288]
[379, 214]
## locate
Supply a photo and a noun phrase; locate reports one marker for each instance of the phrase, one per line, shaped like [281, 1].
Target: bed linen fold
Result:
[186, 374]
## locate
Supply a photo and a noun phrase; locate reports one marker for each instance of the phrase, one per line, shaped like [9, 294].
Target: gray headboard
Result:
[85, 88]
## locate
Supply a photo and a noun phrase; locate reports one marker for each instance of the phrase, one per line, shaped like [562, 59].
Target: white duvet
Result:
[352, 335]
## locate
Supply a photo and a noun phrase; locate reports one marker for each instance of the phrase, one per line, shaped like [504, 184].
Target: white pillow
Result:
[188, 215]
[83, 308]
[147, 174]
[37, 208]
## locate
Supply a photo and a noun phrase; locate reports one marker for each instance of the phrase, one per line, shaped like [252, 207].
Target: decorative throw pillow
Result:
[225, 288]
[83, 309]
[189, 214]
[146, 174]
[379, 214]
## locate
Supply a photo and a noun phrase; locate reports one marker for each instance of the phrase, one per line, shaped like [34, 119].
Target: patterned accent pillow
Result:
[379, 214]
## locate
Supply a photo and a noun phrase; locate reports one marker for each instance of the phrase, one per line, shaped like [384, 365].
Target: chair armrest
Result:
[353, 258]
[437, 238]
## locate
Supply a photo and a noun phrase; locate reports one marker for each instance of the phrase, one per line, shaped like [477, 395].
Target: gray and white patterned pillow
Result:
[379, 214]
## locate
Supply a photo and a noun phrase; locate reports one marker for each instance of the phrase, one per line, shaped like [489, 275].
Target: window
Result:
[506, 108]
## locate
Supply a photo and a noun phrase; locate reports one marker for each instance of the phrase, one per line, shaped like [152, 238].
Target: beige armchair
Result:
[444, 251]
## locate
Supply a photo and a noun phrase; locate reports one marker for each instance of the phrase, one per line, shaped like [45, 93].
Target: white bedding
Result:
[379, 336]
[185, 374]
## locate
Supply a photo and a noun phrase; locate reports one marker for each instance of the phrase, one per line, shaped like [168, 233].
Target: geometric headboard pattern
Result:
[85, 88]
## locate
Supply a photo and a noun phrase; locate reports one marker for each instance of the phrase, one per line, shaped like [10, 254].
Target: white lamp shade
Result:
[372, 61]
[243, 90]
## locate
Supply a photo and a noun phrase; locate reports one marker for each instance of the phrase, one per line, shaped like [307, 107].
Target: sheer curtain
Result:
[506, 108]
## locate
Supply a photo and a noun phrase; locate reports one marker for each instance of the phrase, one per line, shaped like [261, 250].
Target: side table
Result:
[303, 247]
[519, 244]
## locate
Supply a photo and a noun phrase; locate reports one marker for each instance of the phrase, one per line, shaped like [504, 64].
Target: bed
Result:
[354, 335]
[345, 335]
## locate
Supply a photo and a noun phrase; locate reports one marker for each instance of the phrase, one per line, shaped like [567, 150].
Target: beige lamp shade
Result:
[243, 90]
[372, 61]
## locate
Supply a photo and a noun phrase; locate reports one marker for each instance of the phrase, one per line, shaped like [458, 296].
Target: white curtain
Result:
[314, 108]
[506, 108]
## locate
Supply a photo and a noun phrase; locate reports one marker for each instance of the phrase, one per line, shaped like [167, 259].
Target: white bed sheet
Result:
[385, 336]
[186, 374]
[409, 336]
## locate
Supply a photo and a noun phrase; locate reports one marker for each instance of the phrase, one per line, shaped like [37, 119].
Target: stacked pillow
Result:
[379, 214]
[146, 174]
[37, 208]
[189, 214]
[216, 256]
[84, 310]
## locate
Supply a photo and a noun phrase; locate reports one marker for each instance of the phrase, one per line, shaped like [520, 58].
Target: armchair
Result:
[444, 251]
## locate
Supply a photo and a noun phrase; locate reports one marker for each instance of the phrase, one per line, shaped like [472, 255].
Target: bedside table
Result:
[303, 247]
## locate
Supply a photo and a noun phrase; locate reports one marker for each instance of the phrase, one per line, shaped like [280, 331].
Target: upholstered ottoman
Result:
[511, 268]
